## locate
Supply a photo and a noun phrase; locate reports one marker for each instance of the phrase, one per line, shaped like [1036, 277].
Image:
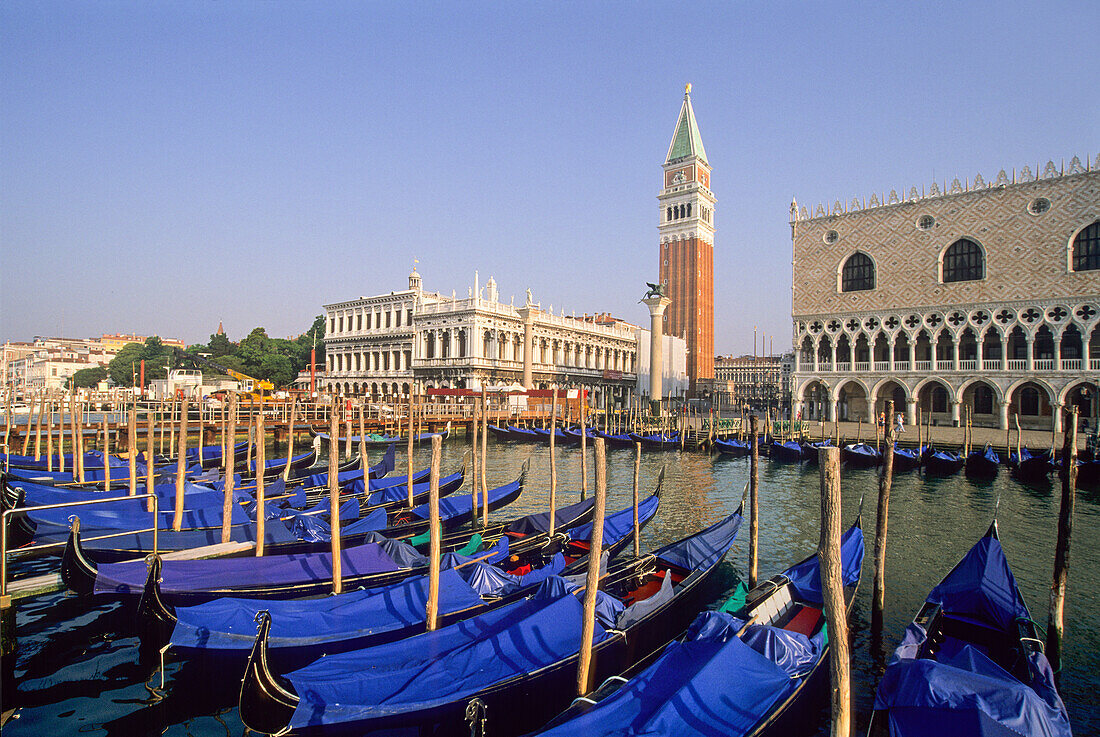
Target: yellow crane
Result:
[257, 389]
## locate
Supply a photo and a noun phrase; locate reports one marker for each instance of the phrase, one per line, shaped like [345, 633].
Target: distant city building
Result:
[189, 383]
[687, 247]
[115, 342]
[383, 345]
[758, 382]
[50, 361]
[980, 295]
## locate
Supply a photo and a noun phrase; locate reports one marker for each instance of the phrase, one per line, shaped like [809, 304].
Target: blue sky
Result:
[164, 166]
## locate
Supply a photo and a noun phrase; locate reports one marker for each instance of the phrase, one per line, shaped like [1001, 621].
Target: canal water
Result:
[80, 669]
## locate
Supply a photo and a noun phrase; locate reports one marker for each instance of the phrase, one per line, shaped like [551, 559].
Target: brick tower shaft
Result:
[687, 247]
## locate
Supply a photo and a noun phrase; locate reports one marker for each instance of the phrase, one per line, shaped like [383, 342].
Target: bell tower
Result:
[686, 228]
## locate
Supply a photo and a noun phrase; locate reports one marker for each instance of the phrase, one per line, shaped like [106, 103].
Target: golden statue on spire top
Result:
[687, 88]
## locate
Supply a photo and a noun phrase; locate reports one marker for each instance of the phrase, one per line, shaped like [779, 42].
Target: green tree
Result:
[124, 366]
[253, 349]
[89, 377]
[277, 369]
[220, 346]
[126, 363]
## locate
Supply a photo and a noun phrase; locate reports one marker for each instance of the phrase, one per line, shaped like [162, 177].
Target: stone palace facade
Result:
[983, 296]
[381, 346]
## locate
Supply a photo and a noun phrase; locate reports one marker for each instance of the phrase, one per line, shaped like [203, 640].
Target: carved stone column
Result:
[527, 313]
[656, 307]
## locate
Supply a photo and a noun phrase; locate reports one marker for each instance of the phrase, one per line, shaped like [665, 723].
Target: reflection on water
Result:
[80, 668]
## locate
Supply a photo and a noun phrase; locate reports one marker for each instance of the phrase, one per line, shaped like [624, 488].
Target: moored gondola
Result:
[906, 459]
[785, 451]
[616, 440]
[750, 668]
[942, 462]
[522, 434]
[972, 661]
[732, 447]
[811, 449]
[517, 664]
[1029, 466]
[366, 564]
[474, 581]
[861, 455]
[498, 432]
[657, 441]
[983, 463]
[392, 517]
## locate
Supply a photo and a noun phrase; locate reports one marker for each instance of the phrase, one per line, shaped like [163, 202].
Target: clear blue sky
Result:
[164, 166]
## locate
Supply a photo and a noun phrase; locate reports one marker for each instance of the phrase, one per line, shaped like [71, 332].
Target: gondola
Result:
[560, 438]
[351, 470]
[276, 575]
[392, 517]
[1088, 471]
[942, 462]
[1030, 466]
[522, 434]
[93, 459]
[514, 666]
[861, 455]
[211, 456]
[906, 459]
[376, 440]
[786, 451]
[810, 450]
[616, 440]
[574, 435]
[498, 432]
[733, 447]
[657, 441]
[983, 463]
[751, 668]
[306, 629]
[972, 661]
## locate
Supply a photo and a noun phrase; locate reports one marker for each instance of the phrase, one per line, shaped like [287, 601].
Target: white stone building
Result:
[381, 346]
[977, 296]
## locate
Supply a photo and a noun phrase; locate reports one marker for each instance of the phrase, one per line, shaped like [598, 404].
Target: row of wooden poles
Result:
[829, 557]
[924, 431]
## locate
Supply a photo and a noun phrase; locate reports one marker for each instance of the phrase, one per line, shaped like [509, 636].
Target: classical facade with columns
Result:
[381, 346]
[979, 298]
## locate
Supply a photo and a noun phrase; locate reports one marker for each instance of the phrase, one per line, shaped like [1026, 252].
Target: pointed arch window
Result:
[1086, 248]
[963, 261]
[858, 273]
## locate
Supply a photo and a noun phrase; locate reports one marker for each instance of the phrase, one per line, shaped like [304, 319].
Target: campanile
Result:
[687, 245]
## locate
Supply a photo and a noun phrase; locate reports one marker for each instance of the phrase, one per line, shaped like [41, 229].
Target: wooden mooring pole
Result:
[754, 502]
[229, 461]
[131, 447]
[261, 497]
[149, 463]
[637, 522]
[436, 534]
[553, 460]
[181, 468]
[832, 583]
[484, 460]
[476, 460]
[334, 498]
[592, 582]
[584, 443]
[409, 453]
[885, 480]
[1056, 619]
